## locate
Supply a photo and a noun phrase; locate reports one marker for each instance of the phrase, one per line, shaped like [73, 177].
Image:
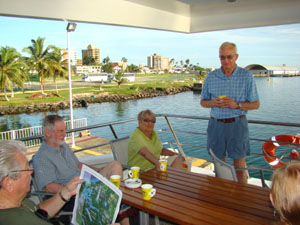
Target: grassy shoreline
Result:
[142, 84]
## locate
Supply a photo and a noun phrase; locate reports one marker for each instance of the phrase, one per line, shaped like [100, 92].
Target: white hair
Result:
[8, 157]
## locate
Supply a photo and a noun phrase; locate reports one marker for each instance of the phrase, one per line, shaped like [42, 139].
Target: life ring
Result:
[268, 148]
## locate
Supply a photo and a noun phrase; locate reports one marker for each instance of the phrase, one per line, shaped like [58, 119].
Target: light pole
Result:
[70, 28]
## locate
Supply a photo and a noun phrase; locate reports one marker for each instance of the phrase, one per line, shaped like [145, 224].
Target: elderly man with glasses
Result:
[56, 164]
[15, 177]
[230, 92]
[145, 148]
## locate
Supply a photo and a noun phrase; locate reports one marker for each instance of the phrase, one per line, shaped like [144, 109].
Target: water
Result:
[279, 98]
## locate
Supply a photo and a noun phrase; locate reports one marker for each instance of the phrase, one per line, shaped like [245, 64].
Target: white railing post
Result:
[37, 130]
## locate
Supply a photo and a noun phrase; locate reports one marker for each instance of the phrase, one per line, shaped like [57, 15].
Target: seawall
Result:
[83, 100]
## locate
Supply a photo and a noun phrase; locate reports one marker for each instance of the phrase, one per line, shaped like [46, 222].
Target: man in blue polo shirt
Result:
[55, 164]
[230, 92]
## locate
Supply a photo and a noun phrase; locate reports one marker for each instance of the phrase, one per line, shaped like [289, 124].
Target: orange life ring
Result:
[269, 148]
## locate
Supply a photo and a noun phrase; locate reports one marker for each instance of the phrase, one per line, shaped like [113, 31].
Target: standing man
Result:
[230, 92]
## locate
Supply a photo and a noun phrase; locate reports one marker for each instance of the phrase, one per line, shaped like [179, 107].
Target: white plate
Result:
[133, 183]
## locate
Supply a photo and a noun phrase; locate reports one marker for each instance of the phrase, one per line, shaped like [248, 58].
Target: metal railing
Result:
[32, 132]
[177, 141]
[171, 130]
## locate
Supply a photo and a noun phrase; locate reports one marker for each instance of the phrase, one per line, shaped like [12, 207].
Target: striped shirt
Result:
[240, 86]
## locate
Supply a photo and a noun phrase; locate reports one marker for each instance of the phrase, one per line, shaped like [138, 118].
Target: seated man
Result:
[55, 164]
[285, 193]
[145, 148]
[15, 177]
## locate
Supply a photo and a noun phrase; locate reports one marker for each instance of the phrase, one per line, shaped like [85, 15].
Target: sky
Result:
[273, 45]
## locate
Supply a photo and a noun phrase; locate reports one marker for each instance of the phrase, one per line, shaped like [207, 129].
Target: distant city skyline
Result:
[274, 45]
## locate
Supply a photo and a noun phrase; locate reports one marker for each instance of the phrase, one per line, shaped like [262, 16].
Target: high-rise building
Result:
[149, 61]
[93, 52]
[158, 63]
[154, 61]
[73, 56]
[165, 63]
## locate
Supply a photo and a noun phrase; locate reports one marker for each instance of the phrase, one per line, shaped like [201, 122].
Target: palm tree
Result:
[106, 60]
[57, 67]
[124, 60]
[187, 61]
[11, 68]
[119, 78]
[19, 79]
[38, 60]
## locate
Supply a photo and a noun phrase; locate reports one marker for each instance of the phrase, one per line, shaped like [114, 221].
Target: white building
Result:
[73, 56]
[87, 69]
[272, 70]
[165, 63]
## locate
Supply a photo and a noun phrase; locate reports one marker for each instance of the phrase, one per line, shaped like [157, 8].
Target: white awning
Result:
[188, 16]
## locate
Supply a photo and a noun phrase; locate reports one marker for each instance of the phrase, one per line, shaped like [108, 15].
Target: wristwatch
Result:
[61, 196]
[240, 105]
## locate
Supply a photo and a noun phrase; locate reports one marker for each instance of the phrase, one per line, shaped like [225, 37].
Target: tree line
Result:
[45, 61]
[15, 69]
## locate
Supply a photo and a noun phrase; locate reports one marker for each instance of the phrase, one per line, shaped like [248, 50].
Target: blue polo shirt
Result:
[51, 165]
[240, 86]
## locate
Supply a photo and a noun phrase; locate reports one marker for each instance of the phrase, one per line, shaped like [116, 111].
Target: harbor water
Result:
[279, 97]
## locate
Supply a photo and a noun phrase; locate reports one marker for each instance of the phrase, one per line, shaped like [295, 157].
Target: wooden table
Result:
[184, 197]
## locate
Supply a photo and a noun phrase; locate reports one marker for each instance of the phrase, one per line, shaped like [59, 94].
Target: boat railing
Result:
[171, 130]
[37, 131]
[179, 141]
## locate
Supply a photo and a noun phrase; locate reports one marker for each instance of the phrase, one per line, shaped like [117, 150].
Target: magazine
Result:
[97, 200]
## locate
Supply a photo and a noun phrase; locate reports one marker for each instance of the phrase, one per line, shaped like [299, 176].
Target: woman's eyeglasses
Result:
[147, 120]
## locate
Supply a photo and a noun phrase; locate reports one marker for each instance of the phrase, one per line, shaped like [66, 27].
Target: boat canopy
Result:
[186, 16]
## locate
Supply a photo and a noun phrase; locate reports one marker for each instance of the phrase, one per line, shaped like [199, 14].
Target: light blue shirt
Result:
[50, 165]
[240, 86]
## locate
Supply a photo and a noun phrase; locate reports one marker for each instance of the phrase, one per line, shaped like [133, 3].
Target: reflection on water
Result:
[15, 122]
[121, 108]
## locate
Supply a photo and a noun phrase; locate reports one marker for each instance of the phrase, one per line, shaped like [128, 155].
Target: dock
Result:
[197, 87]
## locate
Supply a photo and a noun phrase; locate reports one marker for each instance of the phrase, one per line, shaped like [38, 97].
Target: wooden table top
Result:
[184, 197]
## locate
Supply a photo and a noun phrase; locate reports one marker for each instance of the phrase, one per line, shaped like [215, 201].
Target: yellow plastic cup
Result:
[163, 165]
[115, 179]
[148, 191]
[134, 172]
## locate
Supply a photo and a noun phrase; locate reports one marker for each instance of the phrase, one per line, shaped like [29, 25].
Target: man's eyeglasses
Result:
[18, 171]
[29, 168]
[147, 120]
[223, 57]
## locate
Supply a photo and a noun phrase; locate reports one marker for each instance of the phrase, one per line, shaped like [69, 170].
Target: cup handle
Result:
[162, 167]
[130, 173]
[153, 192]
